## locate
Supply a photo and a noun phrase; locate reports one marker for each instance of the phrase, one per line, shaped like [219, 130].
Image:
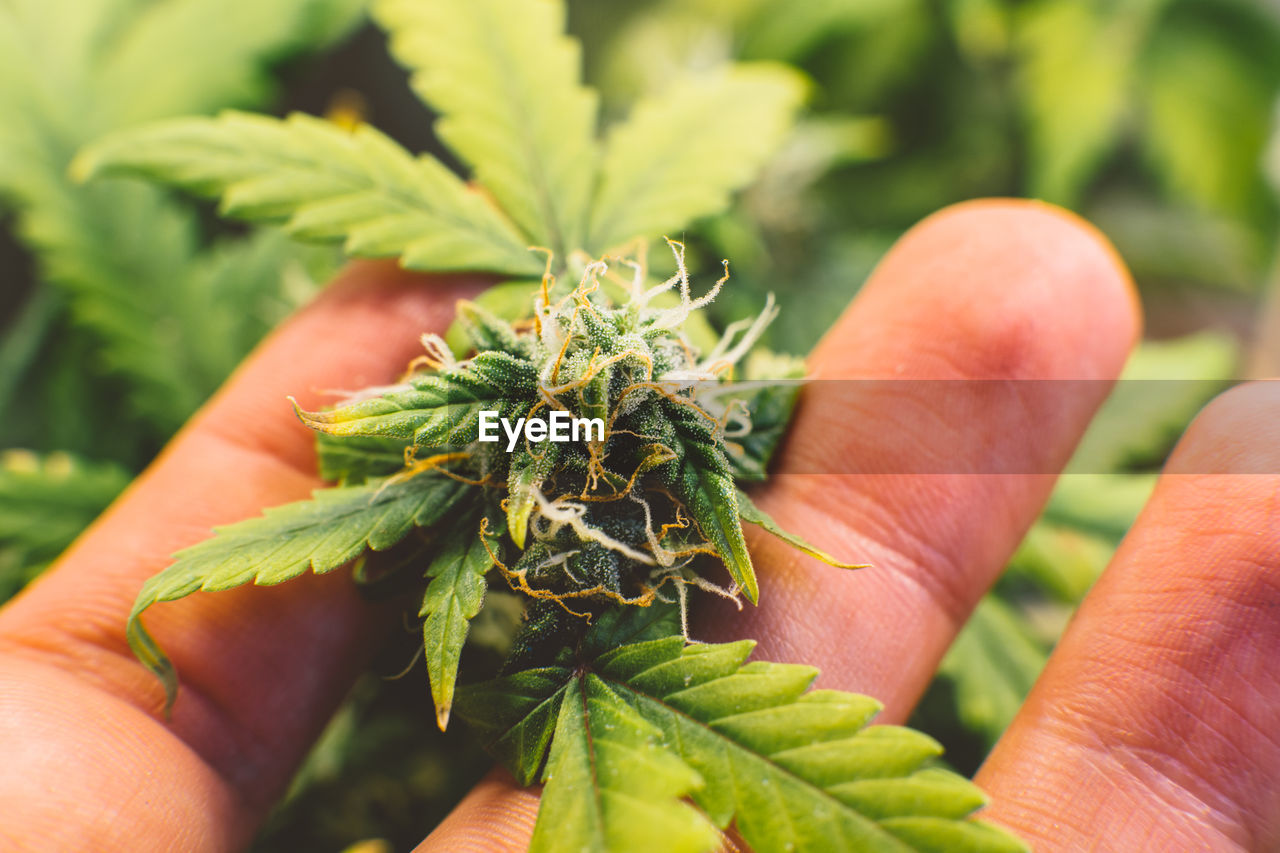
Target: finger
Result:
[995, 290]
[496, 816]
[260, 668]
[1156, 724]
[991, 290]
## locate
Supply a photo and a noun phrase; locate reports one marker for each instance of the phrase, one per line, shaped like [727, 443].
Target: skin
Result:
[1154, 726]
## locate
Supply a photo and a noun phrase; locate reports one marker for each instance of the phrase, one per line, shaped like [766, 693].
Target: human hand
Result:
[1181, 757]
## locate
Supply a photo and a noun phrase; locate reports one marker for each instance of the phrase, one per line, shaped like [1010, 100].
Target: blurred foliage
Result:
[130, 312]
[125, 309]
[1150, 117]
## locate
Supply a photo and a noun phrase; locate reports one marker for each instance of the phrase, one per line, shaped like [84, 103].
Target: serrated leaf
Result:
[610, 784]
[790, 767]
[792, 770]
[321, 534]
[701, 480]
[326, 184]
[441, 408]
[127, 258]
[506, 83]
[452, 600]
[752, 513]
[515, 715]
[681, 154]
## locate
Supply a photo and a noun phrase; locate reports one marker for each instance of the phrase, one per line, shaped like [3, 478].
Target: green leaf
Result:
[752, 513]
[1102, 504]
[1077, 60]
[350, 460]
[506, 83]
[528, 470]
[514, 716]
[127, 258]
[610, 784]
[701, 480]
[452, 600]
[800, 771]
[681, 154]
[792, 770]
[441, 408]
[1061, 560]
[320, 535]
[326, 184]
[1208, 90]
[770, 395]
[480, 323]
[993, 663]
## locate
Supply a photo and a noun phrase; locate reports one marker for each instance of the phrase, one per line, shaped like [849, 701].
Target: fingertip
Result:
[1238, 432]
[495, 817]
[994, 289]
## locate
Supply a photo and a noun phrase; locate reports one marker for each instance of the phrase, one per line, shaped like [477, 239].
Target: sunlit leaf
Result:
[681, 154]
[326, 184]
[506, 83]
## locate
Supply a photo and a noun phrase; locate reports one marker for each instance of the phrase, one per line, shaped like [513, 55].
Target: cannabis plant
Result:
[582, 448]
[131, 316]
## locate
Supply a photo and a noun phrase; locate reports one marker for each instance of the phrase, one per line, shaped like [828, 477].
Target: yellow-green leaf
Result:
[681, 153]
[506, 83]
[326, 184]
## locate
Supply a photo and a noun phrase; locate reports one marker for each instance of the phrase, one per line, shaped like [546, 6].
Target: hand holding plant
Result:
[641, 737]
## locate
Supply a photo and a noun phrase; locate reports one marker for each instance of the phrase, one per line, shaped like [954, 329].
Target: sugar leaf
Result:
[506, 83]
[321, 534]
[752, 513]
[700, 479]
[326, 184]
[682, 153]
[438, 409]
[452, 600]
